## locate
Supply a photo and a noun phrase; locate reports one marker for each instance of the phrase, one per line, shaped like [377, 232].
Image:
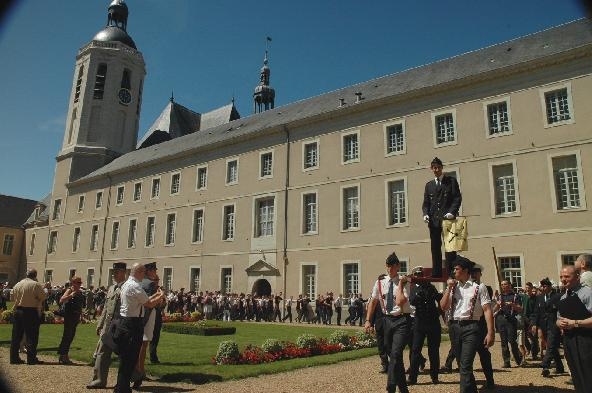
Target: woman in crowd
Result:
[72, 301]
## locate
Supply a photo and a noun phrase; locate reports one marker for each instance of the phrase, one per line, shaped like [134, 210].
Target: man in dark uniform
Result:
[157, 328]
[425, 298]
[546, 316]
[508, 306]
[441, 201]
[110, 312]
[378, 324]
[575, 320]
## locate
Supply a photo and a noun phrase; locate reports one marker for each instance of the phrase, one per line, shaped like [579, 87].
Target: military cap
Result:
[463, 263]
[546, 281]
[150, 266]
[392, 259]
[436, 161]
[417, 271]
[478, 268]
[119, 266]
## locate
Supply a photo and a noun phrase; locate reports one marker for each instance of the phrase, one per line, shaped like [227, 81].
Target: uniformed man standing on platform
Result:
[110, 312]
[391, 294]
[468, 301]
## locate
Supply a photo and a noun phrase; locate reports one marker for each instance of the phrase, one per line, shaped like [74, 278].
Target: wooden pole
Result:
[497, 269]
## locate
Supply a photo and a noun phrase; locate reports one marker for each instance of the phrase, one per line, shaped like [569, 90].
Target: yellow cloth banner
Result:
[455, 234]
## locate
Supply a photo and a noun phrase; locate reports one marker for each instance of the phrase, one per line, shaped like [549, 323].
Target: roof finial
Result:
[172, 96]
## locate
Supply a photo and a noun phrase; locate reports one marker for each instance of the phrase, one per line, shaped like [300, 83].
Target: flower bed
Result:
[199, 329]
[178, 317]
[306, 345]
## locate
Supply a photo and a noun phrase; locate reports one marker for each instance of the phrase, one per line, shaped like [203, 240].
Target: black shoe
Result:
[35, 361]
[560, 371]
[546, 373]
[488, 386]
[435, 381]
[422, 365]
[155, 361]
[411, 381]
[17, 361]
[89, 386]
[446, 370]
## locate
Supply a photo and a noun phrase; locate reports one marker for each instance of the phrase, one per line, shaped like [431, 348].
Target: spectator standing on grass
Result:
[73, 300]
[27, 296]
[110, 312]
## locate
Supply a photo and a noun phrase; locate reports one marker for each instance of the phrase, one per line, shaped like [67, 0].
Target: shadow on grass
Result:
[4, 342]
[194, 378]
[162, 389]
[527, 388]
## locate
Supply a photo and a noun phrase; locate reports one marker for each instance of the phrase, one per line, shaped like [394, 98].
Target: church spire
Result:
[264, 95]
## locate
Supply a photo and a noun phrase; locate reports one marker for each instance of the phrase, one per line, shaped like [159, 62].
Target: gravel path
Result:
[359, 375]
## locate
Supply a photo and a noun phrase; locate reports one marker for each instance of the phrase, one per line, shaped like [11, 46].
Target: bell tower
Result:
[105, 101]
[264, 95]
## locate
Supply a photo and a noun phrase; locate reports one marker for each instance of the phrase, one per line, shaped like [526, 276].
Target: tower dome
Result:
[116, 29]
[264, 95]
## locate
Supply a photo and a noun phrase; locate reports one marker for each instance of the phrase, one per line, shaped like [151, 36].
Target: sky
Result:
[207, 52]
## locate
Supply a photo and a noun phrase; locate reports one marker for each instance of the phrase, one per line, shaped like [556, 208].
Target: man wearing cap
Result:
[441, 201]
[110, 312]
[546, 316]
[482, 350]
[391, 294]
[468, 301]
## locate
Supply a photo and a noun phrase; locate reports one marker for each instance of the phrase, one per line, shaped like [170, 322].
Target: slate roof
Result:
[530, 48]
[15, 211]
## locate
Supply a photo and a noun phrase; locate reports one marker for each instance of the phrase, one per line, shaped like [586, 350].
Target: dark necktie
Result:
[389, 298]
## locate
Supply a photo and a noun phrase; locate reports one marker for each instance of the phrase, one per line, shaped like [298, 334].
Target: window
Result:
[403, 267]
[155, 193]
[132, 232]
[351, 208]
[115, 235]
[395, 139]
[150, 229]
[557, 106]
[90, 277]
[194, 279]
[228, 223]
[311, 155]
[137, 192]
[226, 280]
[32, 244]
[567, 182]
[569, 259]
[266, 164]
[167, 278]
[80, 203]
[351, 278]
[511, 270]
[71, 273]
[170, 229]
[99, 200]
[198, 222]
[309, 213]
[120, 195]
[94, 237]
[202, 177]
[351, 148]
[48, 276]
[76, 239]
[444, 128]
[505, 190]
[498, 118]
[109, 277]
[99, 89]
[309, 281]
[397, 202]
[79, 83]
[53, 242]
[8, 244]
[57, 209]
[175, 183]
[232, 172]
[265, 217]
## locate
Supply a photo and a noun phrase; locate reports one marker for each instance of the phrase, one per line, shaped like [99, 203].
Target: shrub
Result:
[195, 315]
[272, 345]
[48, 317]
[307, 341]
[340, 337]
[198, 329]
[364, 340]
[228, 353]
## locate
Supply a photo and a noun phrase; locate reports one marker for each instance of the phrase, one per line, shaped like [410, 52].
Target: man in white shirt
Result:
[391, 295]
[468, 301]
[130, 331]
[583, 265]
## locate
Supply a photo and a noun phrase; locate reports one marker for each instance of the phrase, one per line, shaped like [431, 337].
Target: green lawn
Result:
[188, 358]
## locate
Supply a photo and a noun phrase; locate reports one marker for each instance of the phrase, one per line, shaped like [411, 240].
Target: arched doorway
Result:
[262, 287]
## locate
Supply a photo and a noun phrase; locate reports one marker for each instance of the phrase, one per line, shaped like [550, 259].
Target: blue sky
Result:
[206, 52]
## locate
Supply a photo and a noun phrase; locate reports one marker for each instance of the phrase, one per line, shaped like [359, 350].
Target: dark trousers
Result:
[578, 353]
[553, 337]
[70, 323]
[396, 330]
[338, 312]
[156, 334]
[466, 340]
[26, 321]
[432, 331]
[130, 334]
[380, 344]
[484, 354]
[288, 314]
[436, 247]
[507, 327]
[531, 340]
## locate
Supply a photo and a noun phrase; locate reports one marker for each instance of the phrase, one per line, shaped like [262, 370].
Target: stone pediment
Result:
[262, 268]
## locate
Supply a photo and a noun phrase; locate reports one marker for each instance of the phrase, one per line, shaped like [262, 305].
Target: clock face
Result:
[125, 96]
